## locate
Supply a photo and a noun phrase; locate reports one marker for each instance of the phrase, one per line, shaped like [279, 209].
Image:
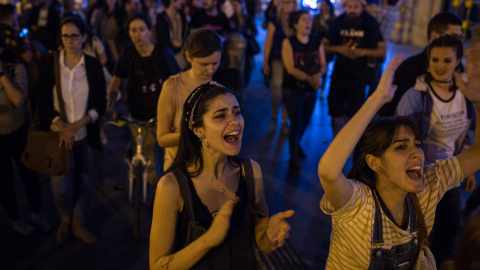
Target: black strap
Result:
[58, 85]
[249, 179]
[185, 192]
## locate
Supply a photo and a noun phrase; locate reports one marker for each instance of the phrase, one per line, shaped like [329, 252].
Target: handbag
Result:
[425, 260]
[253, 47]
[42, 152]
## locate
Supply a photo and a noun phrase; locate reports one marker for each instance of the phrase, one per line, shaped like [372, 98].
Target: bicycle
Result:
[137, 175]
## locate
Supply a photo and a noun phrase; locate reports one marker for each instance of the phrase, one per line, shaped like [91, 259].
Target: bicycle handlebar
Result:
[129, 120]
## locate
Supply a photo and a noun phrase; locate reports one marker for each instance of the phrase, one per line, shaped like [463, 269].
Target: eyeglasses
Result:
[459, 37]
[73, 37]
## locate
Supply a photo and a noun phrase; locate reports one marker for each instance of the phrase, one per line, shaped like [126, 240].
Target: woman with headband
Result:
[210, 202]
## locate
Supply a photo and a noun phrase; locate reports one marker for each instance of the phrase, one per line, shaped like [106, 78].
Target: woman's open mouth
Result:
[232, 137]
[415, 173]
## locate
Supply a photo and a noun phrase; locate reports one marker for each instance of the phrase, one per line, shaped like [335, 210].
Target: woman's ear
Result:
[373, 162]
[199, 132]
[188, 57]
[84, 38]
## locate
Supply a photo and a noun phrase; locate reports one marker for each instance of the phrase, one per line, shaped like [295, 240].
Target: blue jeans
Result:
[300, 107]
[71, 191]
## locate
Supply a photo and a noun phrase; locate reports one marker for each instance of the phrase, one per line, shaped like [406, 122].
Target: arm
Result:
[267, 49]
[166, 115]
[167, 206]
[16, 92]
[337, 188]
[343, 49]
[469, 158]
[270, 232]
[113, 90]
[379, 52]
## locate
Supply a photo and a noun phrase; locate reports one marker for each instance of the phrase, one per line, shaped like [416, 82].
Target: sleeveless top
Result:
[236, 251]
[179, 96]
[306, 58]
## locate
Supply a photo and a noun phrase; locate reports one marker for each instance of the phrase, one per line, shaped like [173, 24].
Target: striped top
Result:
[12, 117]
[352, 225]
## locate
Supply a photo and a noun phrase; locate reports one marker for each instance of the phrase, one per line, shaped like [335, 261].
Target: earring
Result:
[379, 169]
[205, 144]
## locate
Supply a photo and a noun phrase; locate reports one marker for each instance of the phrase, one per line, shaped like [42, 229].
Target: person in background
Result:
[242, 22]
[304, 61]
[14, 124]
[44, 23]
[117, 36]
[211, 17]
[270, 13]
[354, 37]
[203, 51]
[147, 66]
[228, 200]
[446, 120]
[278, 29]
[83, 91]
[321, 23]
[444, 23]
[172, 29]
[9, 32]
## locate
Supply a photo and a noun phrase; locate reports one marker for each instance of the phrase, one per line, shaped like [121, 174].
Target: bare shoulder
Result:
[168, 185]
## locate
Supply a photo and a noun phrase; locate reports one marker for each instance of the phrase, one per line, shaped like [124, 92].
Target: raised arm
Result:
[167, 206]
[166, 115]
[470, 158]
[336, 186]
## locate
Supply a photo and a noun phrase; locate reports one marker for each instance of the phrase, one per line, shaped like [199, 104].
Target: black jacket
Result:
[96, 97]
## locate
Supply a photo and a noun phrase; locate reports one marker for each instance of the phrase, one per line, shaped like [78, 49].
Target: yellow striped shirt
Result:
[352, 225]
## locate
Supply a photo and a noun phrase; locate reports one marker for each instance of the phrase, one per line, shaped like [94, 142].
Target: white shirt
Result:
[447, 122]
[75, 91]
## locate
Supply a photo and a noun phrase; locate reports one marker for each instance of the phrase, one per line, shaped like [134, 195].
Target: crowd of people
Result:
[414, 134]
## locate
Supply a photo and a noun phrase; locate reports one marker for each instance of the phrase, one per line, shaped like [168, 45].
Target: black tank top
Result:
[236, 251]
[306, 58]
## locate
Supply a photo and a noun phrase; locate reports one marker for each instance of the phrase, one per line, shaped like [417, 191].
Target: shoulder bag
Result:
[41, 152]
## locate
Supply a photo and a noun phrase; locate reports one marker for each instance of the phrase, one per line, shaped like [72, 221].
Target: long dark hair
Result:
[375, 140]
[194, 108]
[445, 41]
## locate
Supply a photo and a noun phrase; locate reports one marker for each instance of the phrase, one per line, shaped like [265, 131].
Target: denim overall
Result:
[399, 257]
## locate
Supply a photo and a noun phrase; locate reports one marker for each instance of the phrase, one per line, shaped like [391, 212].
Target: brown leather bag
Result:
[42, 152]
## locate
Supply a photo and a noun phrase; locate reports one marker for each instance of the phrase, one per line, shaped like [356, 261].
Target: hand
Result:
[385, 90]
[357, 53]
[469, 183]
[346, 51]
[110, 114]
[67, 133]
[221, 223]
[278, 228]
[471, 89]
[266, 69]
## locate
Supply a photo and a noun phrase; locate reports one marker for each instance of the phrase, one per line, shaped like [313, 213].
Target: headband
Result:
[195, 97]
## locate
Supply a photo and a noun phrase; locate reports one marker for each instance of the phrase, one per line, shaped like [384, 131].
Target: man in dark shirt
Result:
[172, 28]
[353, 37]
[407, 73]
[211, 17]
